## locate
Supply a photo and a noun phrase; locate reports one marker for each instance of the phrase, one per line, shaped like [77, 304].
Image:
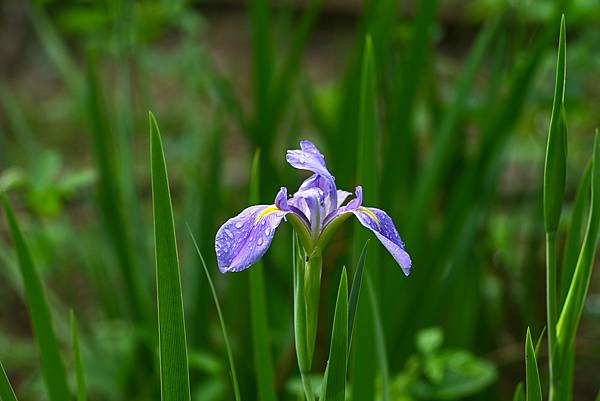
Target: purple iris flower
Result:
[315, 210]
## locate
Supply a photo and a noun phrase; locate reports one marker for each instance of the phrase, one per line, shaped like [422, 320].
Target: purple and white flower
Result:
[315, 210]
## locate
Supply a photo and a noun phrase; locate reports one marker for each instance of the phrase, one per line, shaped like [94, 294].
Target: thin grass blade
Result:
[53, 369]
[575, 234]
[258, 309]
[77, 356]
[363, 365]
[355, 290]
[572, 310]
[534, 389]
[334, 385]
[6, 391]
[380, 346]
[234, 378]
[174, 374]
[519, 393]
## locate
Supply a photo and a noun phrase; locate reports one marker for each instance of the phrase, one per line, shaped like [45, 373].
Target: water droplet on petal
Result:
[229, 234]
[260, 241]
[267, 231]
[239, 224]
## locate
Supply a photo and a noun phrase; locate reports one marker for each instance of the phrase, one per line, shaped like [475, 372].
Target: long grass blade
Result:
[355, 290]
[234, 378]
[572, 310]
[53, 369]
[363, 365]
[443, 147]
[575, 234]
[519, 393]
[380, 346]
[258, 309]
[554, 189]
[110, 195]
[77, 356]
[534, 389]
[337, 366]
[6, 391]
[174, 374]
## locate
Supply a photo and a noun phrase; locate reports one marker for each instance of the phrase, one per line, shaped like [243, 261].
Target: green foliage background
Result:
[442, 117]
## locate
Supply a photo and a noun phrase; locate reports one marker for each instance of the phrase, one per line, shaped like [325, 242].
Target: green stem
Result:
[312, 293]
[551, 310]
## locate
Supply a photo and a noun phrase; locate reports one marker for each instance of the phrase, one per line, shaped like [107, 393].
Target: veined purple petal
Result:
[308, 157]
[341, 197]
[382, 225]
[245, 238]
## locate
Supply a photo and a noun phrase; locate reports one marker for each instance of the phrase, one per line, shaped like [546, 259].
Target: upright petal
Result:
[308, 157]
[245, 238]
[341, 197]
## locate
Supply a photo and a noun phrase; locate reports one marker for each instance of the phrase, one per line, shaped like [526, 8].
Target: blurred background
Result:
[463, 97]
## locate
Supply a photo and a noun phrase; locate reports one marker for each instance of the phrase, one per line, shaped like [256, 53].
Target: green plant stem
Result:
[312, 294]
[551, 308]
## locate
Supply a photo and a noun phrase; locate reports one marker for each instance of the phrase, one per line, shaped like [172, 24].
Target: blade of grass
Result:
[575, 234]
[110, 196]
[77, 356]
[57, 51]
[443, 147]
[573, 307]
[355, 290]
[364, 368]
[174, 374]
[53, 369]
[519, 393]
[334, 384]
[258, 309]
[534, 389]
[379, 341]
[262, 56]
[6, 391]
[234, 378]
[554, 190]
[399, 160]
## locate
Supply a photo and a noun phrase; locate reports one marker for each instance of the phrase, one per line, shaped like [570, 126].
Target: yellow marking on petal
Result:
[270, 209]
[370, 213]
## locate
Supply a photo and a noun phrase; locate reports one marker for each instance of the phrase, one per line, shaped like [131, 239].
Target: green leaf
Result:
[300, 319]
[363, 365]
[355, 290]
[519, 393]
[174, 375]
[556, 150]
[573, 307]
[380, 346]
[53, 369]
[575, 233]
[234, 378]
[446, 139]
[534, 389]
[110, 195]
[6, 391]
[335, 375]
[77, 356]
[263, 360]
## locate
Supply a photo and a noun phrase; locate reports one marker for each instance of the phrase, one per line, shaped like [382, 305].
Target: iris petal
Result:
[382, 225]
[308, 157]
[245, 238]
